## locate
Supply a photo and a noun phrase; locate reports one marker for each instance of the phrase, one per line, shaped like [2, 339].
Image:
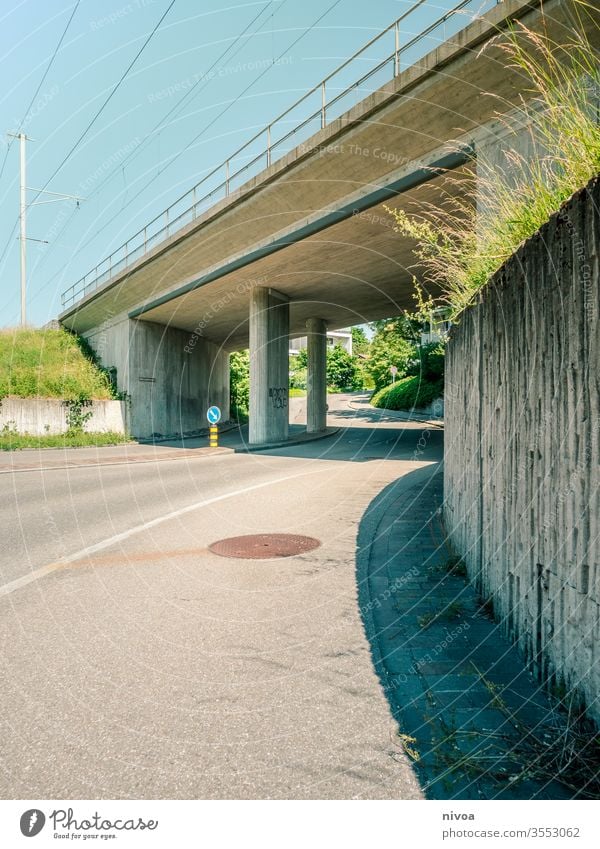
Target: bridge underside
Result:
[171, 354]
[305, 245]
[355, 271]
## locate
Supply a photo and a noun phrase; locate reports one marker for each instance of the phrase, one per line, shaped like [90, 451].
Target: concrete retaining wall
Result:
[170, 375]
[39, 416]
[522, 501]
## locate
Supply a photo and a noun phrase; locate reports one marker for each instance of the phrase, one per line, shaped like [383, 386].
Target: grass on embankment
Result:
[49, 364]
[12, 441]
[52, 364]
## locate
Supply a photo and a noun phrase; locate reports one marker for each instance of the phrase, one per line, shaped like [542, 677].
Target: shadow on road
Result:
[475, 722]
[358, 444]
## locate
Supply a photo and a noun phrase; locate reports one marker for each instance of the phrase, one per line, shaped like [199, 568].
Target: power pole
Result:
[23, 228]
[23, 235]
[22, 221]
[23, 216]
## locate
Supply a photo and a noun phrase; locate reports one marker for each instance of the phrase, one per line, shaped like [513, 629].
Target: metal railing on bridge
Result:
[326, 101]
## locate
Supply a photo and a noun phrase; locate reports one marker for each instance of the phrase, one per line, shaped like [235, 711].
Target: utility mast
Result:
[23, 216]
[23, 227]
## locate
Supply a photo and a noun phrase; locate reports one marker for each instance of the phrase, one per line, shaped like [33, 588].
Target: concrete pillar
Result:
[316, 402]
[269, 366]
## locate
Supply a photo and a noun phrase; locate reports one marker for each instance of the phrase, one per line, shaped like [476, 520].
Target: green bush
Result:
[408, 393]
[344, 371]
[360, 342]
[428, 362]
[341, 369]
[388, 349]
[239, 385]
[298, 378]
[299, 360]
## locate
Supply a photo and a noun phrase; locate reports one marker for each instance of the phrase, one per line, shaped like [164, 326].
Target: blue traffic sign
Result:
[213, 414]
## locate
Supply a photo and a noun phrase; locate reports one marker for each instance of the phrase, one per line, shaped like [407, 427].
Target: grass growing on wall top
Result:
[49, 364]
[459, 248]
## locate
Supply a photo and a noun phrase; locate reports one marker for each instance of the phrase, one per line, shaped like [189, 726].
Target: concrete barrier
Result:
[522, 428]
[39, 416]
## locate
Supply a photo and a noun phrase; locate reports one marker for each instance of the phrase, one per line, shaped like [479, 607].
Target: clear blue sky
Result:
[101, 41]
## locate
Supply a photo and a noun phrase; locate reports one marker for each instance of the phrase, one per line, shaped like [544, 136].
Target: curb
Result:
[299, 440]
[397, 415]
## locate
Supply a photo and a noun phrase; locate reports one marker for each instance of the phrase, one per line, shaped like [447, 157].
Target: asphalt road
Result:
[148, 667]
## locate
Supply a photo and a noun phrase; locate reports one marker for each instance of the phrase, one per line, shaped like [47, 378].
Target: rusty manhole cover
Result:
[259, 546]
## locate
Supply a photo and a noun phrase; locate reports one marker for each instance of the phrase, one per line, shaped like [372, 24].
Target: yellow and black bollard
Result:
[213, 436]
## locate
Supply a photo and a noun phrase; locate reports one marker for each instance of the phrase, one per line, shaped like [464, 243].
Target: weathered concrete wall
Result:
[39, 416]
[170, 375]
[522, 501]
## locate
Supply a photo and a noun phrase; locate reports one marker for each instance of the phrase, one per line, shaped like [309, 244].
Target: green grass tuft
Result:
[12, 441]
[460, 247]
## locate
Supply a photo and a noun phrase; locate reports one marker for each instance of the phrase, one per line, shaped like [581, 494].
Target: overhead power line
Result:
[207, 79]
[177, 107]
[110, 96]
[96, 116]
[191, 92]
[21, 122]
[235, 100]
[211, 123]
[41, 83]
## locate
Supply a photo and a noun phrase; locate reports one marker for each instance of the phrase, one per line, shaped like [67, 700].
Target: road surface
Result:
[137, 664]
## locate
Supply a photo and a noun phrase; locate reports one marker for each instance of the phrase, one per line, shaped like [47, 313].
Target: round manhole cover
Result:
[259, 546]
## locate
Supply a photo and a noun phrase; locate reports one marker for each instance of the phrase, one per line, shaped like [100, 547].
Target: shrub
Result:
[341, 369]
[408, 393]
[388, 349]
[239, 385]
[298, 378]
[429, 362]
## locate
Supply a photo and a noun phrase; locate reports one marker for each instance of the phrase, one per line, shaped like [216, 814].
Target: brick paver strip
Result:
[443, 662]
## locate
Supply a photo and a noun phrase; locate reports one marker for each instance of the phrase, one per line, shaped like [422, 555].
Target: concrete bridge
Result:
[292, 243]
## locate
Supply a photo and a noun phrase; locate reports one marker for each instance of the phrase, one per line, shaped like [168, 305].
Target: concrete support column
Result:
[316, 402]
[269, 366]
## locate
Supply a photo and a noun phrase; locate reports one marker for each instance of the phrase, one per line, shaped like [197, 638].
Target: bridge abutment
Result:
[169, 376]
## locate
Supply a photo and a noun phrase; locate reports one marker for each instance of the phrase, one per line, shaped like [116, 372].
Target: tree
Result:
[341, 369]
[360, 343]
[239, 385]
[389, 347]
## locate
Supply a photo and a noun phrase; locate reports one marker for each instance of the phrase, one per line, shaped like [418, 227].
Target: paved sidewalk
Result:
[45, 459]
[233, 438]
[476, 722]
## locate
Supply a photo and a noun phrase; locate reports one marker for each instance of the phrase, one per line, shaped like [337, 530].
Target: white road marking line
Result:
[6, 589]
